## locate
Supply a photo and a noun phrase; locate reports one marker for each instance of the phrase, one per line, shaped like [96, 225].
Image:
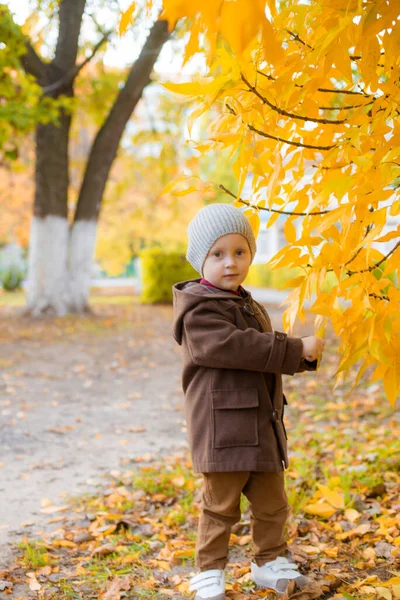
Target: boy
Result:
[234, 401]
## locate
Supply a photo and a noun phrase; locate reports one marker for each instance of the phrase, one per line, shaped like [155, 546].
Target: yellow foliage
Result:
[305, 99]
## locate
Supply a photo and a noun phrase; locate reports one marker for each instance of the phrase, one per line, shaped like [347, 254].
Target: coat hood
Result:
[187, 294]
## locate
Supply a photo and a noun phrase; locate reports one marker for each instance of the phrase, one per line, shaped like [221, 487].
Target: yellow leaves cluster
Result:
[371, 588]
[325, 503]
[307, 105]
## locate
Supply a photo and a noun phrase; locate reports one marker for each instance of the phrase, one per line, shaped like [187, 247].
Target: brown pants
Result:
[220, 509]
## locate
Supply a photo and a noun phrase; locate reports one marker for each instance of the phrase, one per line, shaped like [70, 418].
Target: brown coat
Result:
[232, 365]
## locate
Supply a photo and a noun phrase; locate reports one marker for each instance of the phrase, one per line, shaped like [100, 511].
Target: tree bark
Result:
[49, 242]
[102, 155]
[106, 143]
[60, 256]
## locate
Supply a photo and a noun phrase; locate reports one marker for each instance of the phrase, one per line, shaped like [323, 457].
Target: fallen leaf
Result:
[114, 587]
[384, 593]
[351, 514]
[320, 509]
[33, 583]
[104, 550]
[334, 498]
[308, 549]
[48, 510]
[178, 481]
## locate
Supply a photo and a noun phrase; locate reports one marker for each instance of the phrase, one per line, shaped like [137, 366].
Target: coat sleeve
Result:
[213, 340]
[307, 365]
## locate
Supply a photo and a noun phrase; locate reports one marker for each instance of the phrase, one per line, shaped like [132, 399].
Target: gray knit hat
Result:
[212, 222]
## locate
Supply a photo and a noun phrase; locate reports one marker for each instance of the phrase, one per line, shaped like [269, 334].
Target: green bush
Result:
[12, 279]
[160, 269]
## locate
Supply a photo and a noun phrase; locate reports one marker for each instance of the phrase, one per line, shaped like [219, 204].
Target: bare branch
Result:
[298, 39]
[376, 265]
[69, 77]
[32, 62]
[373, 295]
[274, 210]
[279, 139]
[330, 91]
[346, 106]
[280, 111]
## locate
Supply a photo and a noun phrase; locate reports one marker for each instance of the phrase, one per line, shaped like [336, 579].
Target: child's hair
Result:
[212, 222]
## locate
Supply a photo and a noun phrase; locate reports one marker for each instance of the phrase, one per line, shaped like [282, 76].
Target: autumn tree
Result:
[22, 104]
[306, 97]
[61, 251]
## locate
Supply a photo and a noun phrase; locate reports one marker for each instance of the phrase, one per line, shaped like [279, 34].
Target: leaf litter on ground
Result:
[135, 537]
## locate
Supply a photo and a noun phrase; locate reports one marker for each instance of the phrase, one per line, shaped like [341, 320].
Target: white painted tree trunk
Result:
[60, 265]
[80, 263]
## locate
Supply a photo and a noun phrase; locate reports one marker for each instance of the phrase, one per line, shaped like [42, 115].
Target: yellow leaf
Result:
[64, 544]
[290, 231]
[321, 509]
[178, 481]
[369, 554]
[240, 22]
[396, 590]
[308, 549]
[126, 18]
[331, 552]
[370, 55]
[163, 564]
[367, 589]
[334, 498]
[384, 593]
[351, 514]
[254, 219]
[391, 383]
[244, 539]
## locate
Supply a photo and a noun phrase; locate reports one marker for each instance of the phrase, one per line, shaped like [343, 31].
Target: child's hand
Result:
[313, 347]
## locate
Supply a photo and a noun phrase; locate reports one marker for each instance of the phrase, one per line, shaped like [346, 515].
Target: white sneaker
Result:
[277, 575]
[209, 585]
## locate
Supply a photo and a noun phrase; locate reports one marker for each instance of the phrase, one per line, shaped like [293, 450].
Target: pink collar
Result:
[206, 282]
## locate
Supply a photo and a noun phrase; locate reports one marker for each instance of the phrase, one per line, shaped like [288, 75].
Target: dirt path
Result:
[79, 400]
[78, 407]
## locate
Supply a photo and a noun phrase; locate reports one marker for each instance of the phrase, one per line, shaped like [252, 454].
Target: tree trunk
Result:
[48, 288]
[60, 256]
[102, 155]
[48, 247]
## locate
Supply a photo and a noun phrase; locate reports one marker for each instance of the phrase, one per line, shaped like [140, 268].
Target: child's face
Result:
[228, 262]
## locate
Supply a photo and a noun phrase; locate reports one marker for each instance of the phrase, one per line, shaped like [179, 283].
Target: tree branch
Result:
[373, 295]
[376, 265]
[32, 62]
[330, 91]
[278, 139]
[70, 18]
[69, 77]
[280, 111]
[105, 145]
[274, 210]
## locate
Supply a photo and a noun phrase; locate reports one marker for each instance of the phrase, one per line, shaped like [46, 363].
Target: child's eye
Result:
[217, 254]
[240, 251]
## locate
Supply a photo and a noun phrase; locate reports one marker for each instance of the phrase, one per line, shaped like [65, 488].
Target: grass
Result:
[18, 298]
[35, 554]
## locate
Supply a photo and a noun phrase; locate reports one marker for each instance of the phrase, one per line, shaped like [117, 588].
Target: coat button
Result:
[280, 336]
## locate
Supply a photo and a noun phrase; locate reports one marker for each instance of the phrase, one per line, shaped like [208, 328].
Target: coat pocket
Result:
[234, 418]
